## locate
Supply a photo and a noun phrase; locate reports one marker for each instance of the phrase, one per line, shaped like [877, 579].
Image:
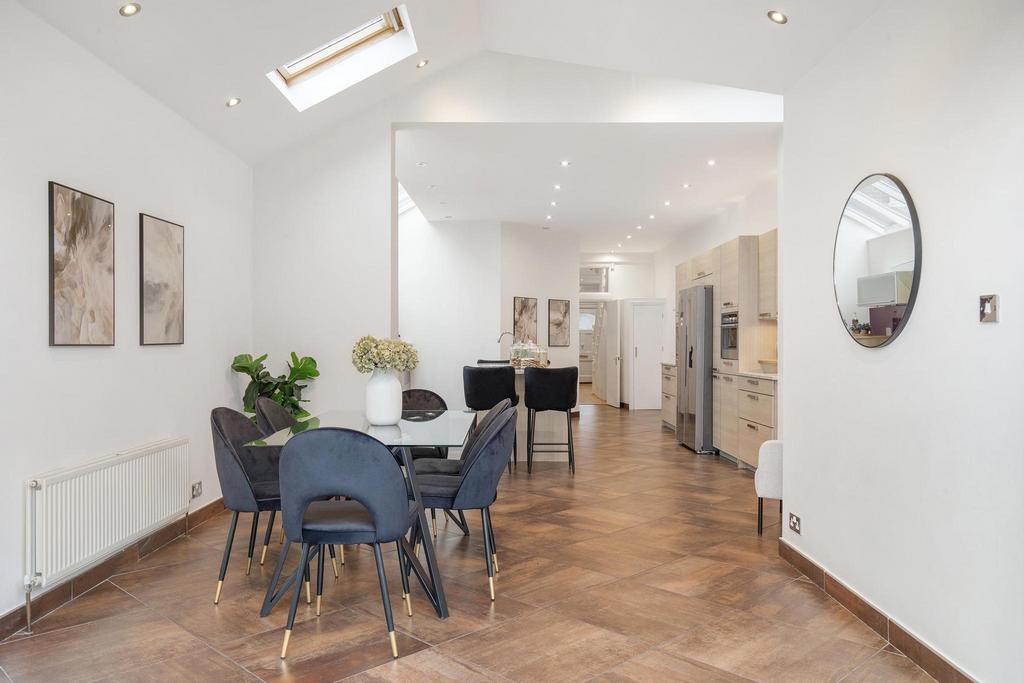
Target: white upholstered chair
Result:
[768, 478]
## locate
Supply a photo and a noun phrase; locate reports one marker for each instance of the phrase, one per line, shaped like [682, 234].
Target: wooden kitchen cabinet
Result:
[729, 415]
[768, 275]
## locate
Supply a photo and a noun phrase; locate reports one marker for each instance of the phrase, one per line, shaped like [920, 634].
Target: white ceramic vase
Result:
[383, 398]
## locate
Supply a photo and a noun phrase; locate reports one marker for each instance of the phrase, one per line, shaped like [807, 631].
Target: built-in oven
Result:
[731, 336]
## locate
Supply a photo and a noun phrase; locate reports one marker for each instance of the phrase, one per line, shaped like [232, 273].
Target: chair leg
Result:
[433, 521]
[272, 586]
[494, 546]
[465, 524]
[568, 431]
[334, 558]
[531, 418]
[227, 555]
[406, 597]
[488, 552]
[760, 515]
[305, 580]
[303, 565]
[252, 541]
[266, 536]
[319, 578]
[385, 598]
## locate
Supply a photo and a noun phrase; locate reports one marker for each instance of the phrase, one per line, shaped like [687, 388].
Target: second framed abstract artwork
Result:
[161, 281]
[558, 322]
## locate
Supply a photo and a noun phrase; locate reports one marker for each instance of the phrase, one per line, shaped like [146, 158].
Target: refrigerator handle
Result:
[689, 361]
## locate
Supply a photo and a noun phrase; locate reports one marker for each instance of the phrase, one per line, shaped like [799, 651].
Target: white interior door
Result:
[648, 320]
[612, 338]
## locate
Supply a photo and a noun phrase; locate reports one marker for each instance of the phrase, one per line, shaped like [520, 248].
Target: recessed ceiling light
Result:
[651, 217]
[554, 203]
[548, 217]
[629, 237]
[686, 186]
[421, 164]
[558, 187]
[422, 63]
[620, 245]
[711, 162]
[640, 227]
[233, 102]
[668, 203]
[130, 10]
[431, 187]
[565, 162]
[777, 16]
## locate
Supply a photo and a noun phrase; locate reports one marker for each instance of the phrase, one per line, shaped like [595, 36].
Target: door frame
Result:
[634, 305]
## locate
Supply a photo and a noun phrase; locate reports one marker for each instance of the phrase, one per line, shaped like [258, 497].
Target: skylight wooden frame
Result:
[378, 28]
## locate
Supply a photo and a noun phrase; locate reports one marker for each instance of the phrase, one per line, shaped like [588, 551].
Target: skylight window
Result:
[359, 53]
[377, 28]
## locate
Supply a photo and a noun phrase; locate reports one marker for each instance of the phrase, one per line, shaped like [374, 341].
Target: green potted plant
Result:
[284, 390]
[382, 358]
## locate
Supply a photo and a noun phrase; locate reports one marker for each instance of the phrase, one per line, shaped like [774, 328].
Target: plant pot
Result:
[383, 398]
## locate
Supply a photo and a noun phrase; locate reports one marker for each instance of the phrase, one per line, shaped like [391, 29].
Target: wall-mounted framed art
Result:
[558, 322]
[161, 281]
[524, 319]
[81, 268]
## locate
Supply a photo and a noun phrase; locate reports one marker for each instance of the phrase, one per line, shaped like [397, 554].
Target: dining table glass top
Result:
[417, 428]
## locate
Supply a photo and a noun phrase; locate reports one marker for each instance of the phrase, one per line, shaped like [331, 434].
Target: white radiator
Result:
[78, 516]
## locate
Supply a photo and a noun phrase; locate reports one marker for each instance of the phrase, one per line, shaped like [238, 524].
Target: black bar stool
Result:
[486, 387]
[550, 389]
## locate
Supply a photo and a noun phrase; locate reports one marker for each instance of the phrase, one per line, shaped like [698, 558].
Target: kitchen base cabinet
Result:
[755, 417]
[751, 436]
[729, 414]
[668, 395]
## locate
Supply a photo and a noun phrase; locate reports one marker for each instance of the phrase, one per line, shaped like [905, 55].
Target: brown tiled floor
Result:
[644, 567]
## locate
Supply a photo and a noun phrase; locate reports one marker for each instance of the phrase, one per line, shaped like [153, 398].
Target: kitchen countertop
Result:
[760, 375]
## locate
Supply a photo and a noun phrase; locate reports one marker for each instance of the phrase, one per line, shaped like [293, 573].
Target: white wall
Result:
[71, 119]
[449, 298]
[324, 209]
[543, 264]
[904, 463]
[755, 213]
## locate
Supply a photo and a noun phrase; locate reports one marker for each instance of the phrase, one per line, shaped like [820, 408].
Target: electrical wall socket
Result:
[197, 489]
[794, 523]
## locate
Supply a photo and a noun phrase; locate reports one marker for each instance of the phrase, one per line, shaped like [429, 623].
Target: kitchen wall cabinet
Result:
[703, 265]
[768, 274]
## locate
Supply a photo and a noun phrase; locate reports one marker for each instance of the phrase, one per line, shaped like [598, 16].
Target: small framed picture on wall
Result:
[558, 322]
[161, 281]
[524, 319]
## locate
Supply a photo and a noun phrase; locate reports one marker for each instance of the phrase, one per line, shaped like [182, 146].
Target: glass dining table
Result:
[416, 429]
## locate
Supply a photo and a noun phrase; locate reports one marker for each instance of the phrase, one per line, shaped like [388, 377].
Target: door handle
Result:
[752, 397]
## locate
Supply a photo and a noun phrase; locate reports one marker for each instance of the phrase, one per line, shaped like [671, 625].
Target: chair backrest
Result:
[551, 388]
[482, 425]
[482, 469]
[272, 416]
[422, 399]
[485, 387]
[768, 477]
[326, 462]
[231, 429]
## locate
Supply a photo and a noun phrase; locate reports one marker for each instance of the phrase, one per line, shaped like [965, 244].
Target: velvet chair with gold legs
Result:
[248, 478]
[340, 463]
[476, 486]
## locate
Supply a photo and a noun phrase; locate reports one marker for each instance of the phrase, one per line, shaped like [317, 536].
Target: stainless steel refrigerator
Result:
[693, 351]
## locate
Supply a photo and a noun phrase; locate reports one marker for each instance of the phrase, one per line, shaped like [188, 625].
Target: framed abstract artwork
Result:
[161, 281]
[524, 319]
[81, 268]
[558, 322]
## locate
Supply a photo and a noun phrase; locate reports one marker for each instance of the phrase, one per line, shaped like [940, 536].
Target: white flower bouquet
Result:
[371, 354]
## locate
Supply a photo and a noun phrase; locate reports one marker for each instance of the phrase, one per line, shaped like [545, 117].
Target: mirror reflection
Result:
[876, 261]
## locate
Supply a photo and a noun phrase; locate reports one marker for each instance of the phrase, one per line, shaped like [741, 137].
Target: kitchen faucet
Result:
[503, 336]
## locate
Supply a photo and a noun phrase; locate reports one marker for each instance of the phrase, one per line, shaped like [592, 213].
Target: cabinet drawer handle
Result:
[668, 377]
[666, 396]
[701, 274]
[750, 426]
[752, 397]
[728, 303]
[714, 377]
[752, 381]
[727, 379]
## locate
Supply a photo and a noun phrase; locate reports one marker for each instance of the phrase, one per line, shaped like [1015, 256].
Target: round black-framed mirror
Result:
[876, 260]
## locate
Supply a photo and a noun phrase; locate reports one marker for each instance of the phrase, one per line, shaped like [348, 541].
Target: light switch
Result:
[988, 308]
